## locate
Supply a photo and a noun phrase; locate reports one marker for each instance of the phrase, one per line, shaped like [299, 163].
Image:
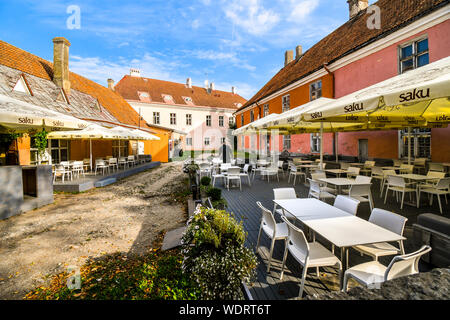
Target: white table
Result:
[341, 182]
[337, 172]
[342, 229]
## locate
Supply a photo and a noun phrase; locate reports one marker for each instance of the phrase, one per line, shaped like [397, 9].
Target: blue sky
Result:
[229, 42]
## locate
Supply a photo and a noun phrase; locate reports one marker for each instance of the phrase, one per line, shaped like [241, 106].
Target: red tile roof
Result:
[349, 37]
[130, 87]
[26, 62]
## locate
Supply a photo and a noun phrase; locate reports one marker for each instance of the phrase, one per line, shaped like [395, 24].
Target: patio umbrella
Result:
[420, 97]
[144, 135]
[21, 116]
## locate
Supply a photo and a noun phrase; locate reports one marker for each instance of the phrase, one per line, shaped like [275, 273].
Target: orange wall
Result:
[440, 147]
[23, 146]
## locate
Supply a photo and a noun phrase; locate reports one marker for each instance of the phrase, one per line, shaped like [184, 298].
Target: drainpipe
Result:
[336, 138]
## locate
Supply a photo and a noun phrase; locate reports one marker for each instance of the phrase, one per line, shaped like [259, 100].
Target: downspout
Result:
[335, 138]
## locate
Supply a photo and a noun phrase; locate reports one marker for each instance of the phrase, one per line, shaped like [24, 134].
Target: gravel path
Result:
[126, 217]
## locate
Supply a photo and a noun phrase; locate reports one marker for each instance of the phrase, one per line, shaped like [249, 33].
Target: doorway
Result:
[363, 150]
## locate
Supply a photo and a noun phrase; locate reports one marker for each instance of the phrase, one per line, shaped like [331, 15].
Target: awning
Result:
[419, 97]
[250, 128]
[144, 135]
[93, 131]
[20, 116]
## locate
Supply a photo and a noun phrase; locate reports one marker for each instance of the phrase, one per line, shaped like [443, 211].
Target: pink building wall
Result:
[378, 67]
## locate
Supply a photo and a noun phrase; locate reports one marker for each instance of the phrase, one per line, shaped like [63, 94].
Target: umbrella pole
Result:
[90, 153]
[321, 145]
[336, 139]
[409, 145]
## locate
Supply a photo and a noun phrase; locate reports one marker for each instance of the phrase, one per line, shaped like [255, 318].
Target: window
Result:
[265, 110]
[420, 143]
[315, 90]
[287, 142]
[189, 119]
[242, 119]
[155, 117]
[168, 98]
[230, 121]
[188, 100]
[208, 121]
[223, 140]
[173, 118]
[119, 148]
[189, 141]
[252, 116]
[207, 141]
[315, 142]
[414, 55]
[286, 103]
[220, 121]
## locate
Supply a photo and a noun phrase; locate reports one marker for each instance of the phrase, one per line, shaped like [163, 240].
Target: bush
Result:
[215, 257]
[205, 181]
[214, 193]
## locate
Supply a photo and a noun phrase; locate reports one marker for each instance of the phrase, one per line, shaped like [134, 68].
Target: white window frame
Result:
[266, 110]
[207, 141]
[252, 115]
[221, 121]
[189, 141]
[414, 55]
[189, 119]
[173, 119]
[286, 103]
[315, 90]
[315, 142]
[156, 118]
[208, 120]
[287, 142]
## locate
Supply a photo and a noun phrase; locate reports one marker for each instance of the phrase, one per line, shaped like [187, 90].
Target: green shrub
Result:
[215, 257]
[214, 193]
[205, 181]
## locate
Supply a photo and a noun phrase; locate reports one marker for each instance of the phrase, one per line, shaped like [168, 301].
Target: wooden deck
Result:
[268, 286]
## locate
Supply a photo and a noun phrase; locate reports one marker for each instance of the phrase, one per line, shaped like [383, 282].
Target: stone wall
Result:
[433, 285]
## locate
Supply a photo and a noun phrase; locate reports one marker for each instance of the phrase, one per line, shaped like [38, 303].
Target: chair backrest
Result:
[204, 165]
[406, 264]
[296, 239]
[436, 174]
[353, 170]
[100, 162]
[284, 193]
[225, 165]
[396, 181]
[443, 184]
[346, 204]
[420, 161]
[407, 167]
[359, 190]
[345, 165]
[86, 160]
[377, 171]
[280, 164]
[387, 173]
[314, 186]
[369, 164]
[267, 218]
[363, 179]
[112, 160]
[397, 162]
[246, 167]
[64, 163]
[318, 175]
[234, 171]
[131, 158]
[388, 220]
[436, 167]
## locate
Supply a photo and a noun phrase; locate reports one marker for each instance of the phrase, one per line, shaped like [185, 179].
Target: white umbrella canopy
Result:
[250, 128]
[20, 116]
[144, 135]
[93, 131]
[124, 133]
[418, 97]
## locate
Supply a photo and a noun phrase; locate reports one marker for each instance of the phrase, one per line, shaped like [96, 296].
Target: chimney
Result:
[298, 52]
[111, 84]
[206, 84]
[135, 72]
[233, 90]
[288, 57]
[61, 63]
[212, 86]
[189, 83]
[355, 6]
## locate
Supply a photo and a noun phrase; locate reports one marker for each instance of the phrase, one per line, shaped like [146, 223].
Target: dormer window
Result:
[144, 96]
[167, 98]
[188, 100]
[22, 86]
[62, 97]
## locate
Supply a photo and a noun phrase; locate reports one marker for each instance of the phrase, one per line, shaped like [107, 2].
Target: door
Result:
[363, 149]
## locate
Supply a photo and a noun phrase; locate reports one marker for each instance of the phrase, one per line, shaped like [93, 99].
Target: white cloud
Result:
[302, 9]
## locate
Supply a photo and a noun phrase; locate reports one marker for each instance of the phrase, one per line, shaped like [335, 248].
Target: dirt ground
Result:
[126, 217]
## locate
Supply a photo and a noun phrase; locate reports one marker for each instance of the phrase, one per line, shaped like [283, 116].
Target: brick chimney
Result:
[111, 84]
[135, 72]
[61, 63]
[288, 57]
[355, 6]
[188, 83]
[233, 90]
[298, 52]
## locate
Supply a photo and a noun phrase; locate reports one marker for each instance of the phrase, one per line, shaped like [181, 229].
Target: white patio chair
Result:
[359, 179]
[112, 162]
[270, 171]
[61, 171]
[345, 165]
[420, 165]
[397, 162]
[308, 254]
[87, 164]
[353, 172]
[246, 173]
[442, 187]
[293, 171]
[434, 177]
[233, 174]
[77, 168]
[378, 174]
[323, 186]
[398, 185]
[217, 175]
[122, 162]
[347, 204]
[204, 169]
[101, 165]
[373, 274]
[280, 167]
[315, 191]
[406, 168]
[367, 168]
[362, 193]
[283, 194]
[130, 160]
[275, 231]
[390, 221]
[224, 167]
[386, 174]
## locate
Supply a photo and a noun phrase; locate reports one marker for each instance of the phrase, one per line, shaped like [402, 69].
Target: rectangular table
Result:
[341, 182]
[337, 172]
[342, 229]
